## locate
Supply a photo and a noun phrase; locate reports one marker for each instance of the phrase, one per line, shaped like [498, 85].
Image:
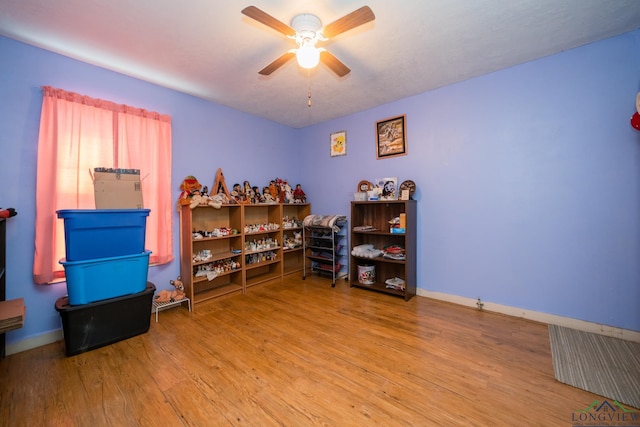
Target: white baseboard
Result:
[34, 342]
[581, 325]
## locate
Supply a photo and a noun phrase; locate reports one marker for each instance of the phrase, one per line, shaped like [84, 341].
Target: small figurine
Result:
[298, 195]
[288, 193]
[248, 192]
[282, 185]
[266, 195]
[237, 194]
[257, 196]
[274, 191]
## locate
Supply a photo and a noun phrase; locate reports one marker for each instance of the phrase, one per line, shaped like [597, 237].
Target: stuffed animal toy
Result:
[171, 296]
[203, 199]
[221, 198]
[189, 187]
[194, 195]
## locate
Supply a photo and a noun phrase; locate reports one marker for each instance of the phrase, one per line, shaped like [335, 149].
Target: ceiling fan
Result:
[306, 29]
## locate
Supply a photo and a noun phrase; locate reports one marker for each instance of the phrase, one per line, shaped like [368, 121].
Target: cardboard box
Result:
[90, 326]
[117, 188]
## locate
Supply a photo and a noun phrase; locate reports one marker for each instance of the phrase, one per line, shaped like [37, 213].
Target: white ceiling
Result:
[208, 49]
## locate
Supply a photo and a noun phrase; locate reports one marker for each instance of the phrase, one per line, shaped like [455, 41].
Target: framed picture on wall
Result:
[391, 136]
[388, 188]
[339, 143]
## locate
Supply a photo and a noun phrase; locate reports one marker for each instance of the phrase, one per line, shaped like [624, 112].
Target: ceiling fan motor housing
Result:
[306, 22]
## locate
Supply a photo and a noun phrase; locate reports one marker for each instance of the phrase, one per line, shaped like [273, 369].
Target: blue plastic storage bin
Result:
[103, 278]
[103, 233]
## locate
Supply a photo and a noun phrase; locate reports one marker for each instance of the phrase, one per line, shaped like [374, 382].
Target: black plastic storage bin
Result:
[90, 326]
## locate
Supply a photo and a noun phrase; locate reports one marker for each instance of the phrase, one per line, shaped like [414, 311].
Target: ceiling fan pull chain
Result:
[309, 91]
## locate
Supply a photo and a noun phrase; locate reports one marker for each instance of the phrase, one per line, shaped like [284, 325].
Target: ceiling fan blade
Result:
[268, 20]
[276, 64]
[334, 63]
[347, 22]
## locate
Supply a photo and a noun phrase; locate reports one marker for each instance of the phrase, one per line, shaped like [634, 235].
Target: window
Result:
[78, 134]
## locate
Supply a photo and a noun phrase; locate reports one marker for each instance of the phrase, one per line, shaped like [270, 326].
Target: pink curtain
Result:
[78, 134]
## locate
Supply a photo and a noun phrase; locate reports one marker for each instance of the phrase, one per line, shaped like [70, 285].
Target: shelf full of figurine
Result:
[234, 240]
[326, 246]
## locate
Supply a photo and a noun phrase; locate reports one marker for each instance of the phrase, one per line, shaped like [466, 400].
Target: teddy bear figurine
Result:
[171, 296]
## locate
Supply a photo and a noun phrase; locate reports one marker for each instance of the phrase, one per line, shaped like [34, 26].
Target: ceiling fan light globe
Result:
[308, 56]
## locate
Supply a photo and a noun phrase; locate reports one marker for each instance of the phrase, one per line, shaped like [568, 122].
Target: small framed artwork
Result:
[388, 188]
[339, 143]
[391, 135]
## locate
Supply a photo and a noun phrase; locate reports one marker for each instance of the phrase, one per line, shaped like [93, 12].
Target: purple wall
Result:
[527, 178]
[206, 137]
[528, 182]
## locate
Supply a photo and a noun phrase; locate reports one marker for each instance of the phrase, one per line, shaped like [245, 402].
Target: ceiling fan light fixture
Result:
[307, 28]
[308, 56]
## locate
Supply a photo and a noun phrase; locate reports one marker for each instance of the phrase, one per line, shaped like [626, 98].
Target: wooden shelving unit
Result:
[228, 250]
[293, 216]
[376, 215]
[210, 242]
[12, 312]
[262, 243]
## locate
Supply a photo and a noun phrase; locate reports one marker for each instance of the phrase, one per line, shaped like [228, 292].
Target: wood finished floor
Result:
[300, 354]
